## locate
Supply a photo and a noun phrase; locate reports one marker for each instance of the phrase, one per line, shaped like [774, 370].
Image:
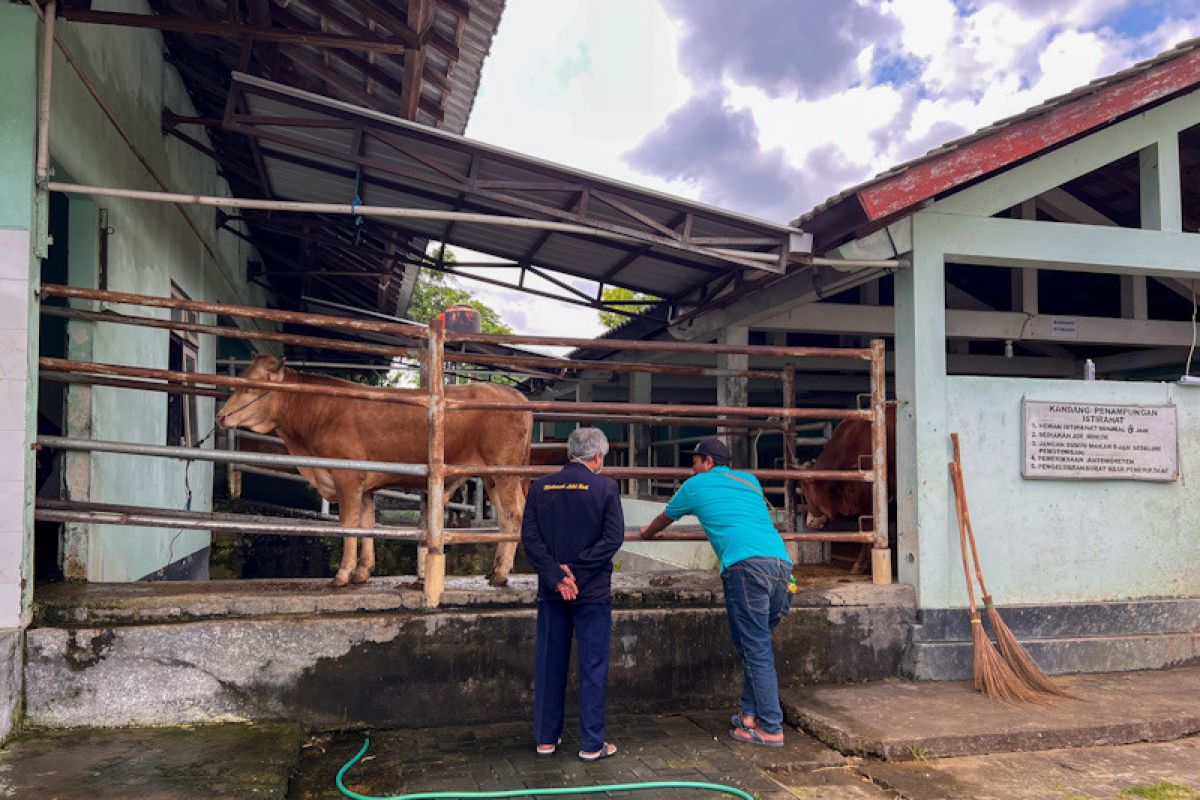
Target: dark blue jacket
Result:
[573, 517]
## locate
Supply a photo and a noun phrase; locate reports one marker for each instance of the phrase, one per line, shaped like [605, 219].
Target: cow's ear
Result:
[275, 369]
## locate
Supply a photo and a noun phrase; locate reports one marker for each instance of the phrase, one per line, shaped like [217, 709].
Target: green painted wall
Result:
[1050, 541]
[151, 246]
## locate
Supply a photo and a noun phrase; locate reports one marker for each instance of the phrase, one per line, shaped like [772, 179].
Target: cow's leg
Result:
[350, 505]
[366, 553]
[509, 499]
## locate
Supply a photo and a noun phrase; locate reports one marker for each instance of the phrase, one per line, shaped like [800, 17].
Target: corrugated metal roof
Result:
[1096, 88]
[452, 48]
[325, 150]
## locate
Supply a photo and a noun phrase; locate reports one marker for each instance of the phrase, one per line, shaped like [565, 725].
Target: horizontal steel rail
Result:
[205, 379]
[849, 475]
[274, 315]
[107, 514]
[228, 456]
[681, 411]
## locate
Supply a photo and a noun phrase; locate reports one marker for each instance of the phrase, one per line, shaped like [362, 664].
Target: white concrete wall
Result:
[151, 247]
[1051, 541]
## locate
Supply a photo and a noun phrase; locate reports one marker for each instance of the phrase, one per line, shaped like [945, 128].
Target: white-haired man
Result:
[572, 528]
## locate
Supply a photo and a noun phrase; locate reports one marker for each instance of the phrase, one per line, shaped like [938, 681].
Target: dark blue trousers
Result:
[556, 622]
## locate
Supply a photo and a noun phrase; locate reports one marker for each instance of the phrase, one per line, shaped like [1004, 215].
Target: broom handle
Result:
[962, 489]
[962, 537]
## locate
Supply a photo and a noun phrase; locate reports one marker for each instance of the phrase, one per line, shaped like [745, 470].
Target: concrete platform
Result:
[165, 654]
[89, 604]
[904, 720]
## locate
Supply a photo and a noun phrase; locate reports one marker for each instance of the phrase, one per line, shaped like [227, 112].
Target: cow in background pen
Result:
[828, 501]
[366, 430]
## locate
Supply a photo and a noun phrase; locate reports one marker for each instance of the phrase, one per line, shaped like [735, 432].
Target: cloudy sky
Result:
[767, 107]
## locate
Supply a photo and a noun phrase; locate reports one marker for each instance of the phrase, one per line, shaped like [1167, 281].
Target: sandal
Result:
[736, 721]
[753, 736]
[548, 749]
[607, 751]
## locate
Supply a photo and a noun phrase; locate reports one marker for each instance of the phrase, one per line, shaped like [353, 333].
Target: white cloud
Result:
[587, 83]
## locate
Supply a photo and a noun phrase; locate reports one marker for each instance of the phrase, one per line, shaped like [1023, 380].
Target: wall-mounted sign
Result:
[1064, 328]
[1099, 442]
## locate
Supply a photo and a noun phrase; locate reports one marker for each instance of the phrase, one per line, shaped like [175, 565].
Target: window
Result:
[183, 424]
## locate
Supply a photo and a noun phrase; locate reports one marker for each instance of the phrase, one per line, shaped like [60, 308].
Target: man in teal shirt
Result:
[755, 570]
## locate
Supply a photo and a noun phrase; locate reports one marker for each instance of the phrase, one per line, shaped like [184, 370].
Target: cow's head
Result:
[256, 409]
[815, 494]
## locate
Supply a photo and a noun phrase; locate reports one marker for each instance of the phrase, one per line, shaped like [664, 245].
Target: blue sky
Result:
[767, 107]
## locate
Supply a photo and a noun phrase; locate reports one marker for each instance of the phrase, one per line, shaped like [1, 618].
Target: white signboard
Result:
[1099, 442]
[1067, 328]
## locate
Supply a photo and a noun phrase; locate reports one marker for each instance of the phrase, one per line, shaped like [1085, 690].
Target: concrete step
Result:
[952, 661]
[905, 720]
[1127, 618]
[1085, 637]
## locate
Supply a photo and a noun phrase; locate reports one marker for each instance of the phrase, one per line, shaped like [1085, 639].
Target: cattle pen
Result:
[429, 346]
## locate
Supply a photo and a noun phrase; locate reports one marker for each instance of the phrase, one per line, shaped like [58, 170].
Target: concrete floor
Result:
[278, 761]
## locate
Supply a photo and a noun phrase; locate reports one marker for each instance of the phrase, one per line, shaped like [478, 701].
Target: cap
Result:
[714, 448]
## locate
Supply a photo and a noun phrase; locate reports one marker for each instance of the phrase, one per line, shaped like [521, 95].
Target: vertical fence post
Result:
[881, 556]
[435, 560]
[789, 446]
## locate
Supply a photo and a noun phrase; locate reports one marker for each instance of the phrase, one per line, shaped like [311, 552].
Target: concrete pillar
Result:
[922, 450]
[1161, 188]
[83, 270]
[735, 391]
[640, 391]
[19, 32]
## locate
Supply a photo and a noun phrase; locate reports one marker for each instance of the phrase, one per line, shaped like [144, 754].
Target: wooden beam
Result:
[210, 28]
[991, 325]
[420, 19]
[371, 9]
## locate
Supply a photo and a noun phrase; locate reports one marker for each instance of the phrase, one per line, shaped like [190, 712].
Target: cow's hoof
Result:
[497, 578]
[341, 580]
[360, 575]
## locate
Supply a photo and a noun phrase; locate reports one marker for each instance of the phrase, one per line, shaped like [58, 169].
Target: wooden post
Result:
[881, 555]
[435, 560]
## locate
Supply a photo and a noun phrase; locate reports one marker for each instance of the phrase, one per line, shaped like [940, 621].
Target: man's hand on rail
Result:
[657, 524]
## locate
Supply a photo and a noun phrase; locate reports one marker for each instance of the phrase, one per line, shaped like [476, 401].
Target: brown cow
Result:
[335, 427]
[831, 500]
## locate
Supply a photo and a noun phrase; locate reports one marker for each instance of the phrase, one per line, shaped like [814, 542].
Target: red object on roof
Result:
[1034, 131]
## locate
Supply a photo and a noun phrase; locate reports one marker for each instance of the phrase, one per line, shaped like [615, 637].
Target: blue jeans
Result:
[756, 599]
[557, 622]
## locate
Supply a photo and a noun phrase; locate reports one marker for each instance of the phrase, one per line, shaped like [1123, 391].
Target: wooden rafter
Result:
[190, 25]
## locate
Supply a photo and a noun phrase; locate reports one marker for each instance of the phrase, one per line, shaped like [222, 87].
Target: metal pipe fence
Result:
[431, 348]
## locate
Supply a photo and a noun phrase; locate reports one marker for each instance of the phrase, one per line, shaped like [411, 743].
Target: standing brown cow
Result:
[828, 501]
[365, 430]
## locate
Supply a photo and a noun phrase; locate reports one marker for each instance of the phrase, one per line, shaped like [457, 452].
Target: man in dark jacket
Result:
[572, 528]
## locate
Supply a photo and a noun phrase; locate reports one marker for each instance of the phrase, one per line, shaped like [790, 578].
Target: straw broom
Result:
[1010, 648]
[993, 676]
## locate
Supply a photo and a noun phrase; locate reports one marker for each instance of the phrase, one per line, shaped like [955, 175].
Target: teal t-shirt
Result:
[731, 508]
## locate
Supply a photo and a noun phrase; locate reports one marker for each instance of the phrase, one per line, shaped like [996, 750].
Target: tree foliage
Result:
[610, 319]
[433, 294]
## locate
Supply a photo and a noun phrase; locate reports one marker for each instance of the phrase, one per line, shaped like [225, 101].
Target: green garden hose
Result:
[569, 790]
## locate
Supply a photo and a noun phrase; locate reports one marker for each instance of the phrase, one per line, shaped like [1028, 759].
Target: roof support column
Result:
[921, 436]
[733, 391]
[1161, 192]
[639, 435]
